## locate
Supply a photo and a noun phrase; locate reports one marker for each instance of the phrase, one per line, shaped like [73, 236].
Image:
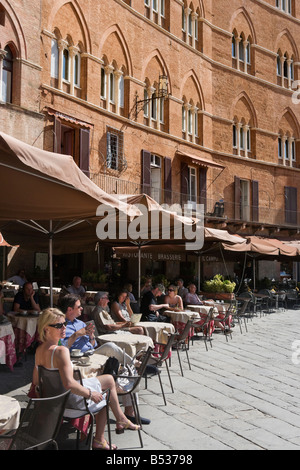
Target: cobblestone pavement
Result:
[241, 394]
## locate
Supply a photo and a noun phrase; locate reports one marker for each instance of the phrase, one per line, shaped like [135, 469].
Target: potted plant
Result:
[219, 288]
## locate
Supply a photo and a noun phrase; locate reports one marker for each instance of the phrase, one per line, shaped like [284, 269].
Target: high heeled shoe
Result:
[102, 445]
[126, 425]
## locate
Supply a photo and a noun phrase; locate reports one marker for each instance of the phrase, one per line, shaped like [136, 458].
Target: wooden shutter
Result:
[237, 198]
[146, 172]
[84, 158]
[290, 195]
[184, 183]
[57, 136]
[255, 201]
[168, 180]
[202, 186]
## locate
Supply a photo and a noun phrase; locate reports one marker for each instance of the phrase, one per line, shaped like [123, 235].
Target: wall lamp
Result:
[162, 92]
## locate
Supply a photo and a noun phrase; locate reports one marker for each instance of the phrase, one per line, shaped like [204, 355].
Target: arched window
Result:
[65, 66]
[7, 75]
[241, 139]
[112, 95]
[190, 121]
[241, 52]
[286, 149]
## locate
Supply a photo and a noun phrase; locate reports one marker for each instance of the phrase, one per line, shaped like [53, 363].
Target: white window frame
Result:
[280, 153]
[54, 72]
[192, 182]
[121, 91]
[66, 80]
[112, 85]
[103, 83]
[77, 75]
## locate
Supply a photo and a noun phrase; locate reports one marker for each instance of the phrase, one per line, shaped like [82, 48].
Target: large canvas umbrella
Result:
[47, 194]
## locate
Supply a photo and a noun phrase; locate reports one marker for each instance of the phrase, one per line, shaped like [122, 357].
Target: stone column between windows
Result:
[108, 69]
[245, 130]
[194, 26]
[2, 56]
[237, 49]
[187, 108]
[61, 46]
[282, 59]
[283, 140]
[238, 128]
[290, 141]
[150, 91]
[159, 13]
[193, 111]
[289, 61]
[187, 12]
[73, 51]
[117, 74]
[245, 44]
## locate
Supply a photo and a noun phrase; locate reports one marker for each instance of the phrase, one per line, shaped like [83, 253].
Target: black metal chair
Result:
[205, 327]
[292, 299]
[39, 425]
[182, 343]
[158, 360]
[133, 382]
[241, 312]
[225, 321]
[50, 384]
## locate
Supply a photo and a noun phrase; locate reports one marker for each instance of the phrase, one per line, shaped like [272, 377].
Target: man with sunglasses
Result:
[78, 334]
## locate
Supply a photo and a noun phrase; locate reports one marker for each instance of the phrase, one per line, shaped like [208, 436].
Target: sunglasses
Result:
[171, 290]
[59, 326]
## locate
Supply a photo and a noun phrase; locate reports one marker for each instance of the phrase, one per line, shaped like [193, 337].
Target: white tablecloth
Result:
[9, 413]
[27, 323]
[93, 368]
[2, 352]
[155, 330]
[131, 343]
[182, 317]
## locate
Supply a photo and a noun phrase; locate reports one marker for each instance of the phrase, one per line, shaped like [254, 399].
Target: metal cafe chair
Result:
[50, 384]
[182, 343]
[205, 327]
[39, 425]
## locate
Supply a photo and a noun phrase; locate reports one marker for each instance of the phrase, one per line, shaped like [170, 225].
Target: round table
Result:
[131, 343]
[157, 331]
[7, 337]
[10, 410]
[25, 329]
[93, 368]
[179, 319]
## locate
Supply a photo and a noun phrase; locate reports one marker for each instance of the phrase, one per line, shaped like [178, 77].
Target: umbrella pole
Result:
[199, 272]
[51, 263]
[139, 275]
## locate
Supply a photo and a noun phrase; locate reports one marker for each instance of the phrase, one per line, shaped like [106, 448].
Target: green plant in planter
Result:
[218, 284]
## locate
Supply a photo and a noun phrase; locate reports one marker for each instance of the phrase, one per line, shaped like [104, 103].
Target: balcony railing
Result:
[216, 209]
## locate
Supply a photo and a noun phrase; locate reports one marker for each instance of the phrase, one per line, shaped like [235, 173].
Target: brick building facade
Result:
[227, 132]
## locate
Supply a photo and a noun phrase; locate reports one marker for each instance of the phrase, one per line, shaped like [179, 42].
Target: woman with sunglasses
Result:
[52, 328]
[173, 299]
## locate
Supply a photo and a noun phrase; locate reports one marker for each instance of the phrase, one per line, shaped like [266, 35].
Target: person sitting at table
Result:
[149, 306]
[147, 286]
[76, 287]
[120, 309]
[52, 329]
[105, 323]
[191, 297]
[18, 278]
[78, 335]
[173, 299]
[182, 291]
[26, 299]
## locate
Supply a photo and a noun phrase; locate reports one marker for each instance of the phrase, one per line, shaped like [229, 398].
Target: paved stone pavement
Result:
[242, 394]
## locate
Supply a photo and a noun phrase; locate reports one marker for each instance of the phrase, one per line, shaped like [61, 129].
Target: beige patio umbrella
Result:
[46, 194]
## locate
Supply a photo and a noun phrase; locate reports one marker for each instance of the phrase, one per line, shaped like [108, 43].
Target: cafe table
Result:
[10, 411]
[130, 342]
[93, 367]
[25, 329]
[157, 331]
[179, 319]
[7, 338]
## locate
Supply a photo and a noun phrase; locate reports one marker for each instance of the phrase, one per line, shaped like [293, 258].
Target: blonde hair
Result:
[48, 317]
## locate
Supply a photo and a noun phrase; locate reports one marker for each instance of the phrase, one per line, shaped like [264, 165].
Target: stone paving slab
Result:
[242, 394]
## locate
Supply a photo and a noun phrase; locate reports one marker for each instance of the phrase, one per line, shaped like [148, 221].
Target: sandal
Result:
[103, 445]
[126, 425]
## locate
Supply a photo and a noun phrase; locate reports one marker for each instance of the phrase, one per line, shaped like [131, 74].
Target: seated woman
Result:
[121, 311]
[105, 323]
[51, 328]
[173, 299]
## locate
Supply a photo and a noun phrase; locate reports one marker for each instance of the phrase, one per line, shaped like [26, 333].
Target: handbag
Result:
[111, 366]
[124, 383]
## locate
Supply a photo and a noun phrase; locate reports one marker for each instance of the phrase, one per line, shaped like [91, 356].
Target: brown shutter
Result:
[290, 194]
[202, 186]
[237, 198]
[57, 136]
[84, 158]
[184, 183]
[255, 201]
[146, 172]
[168, 180]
